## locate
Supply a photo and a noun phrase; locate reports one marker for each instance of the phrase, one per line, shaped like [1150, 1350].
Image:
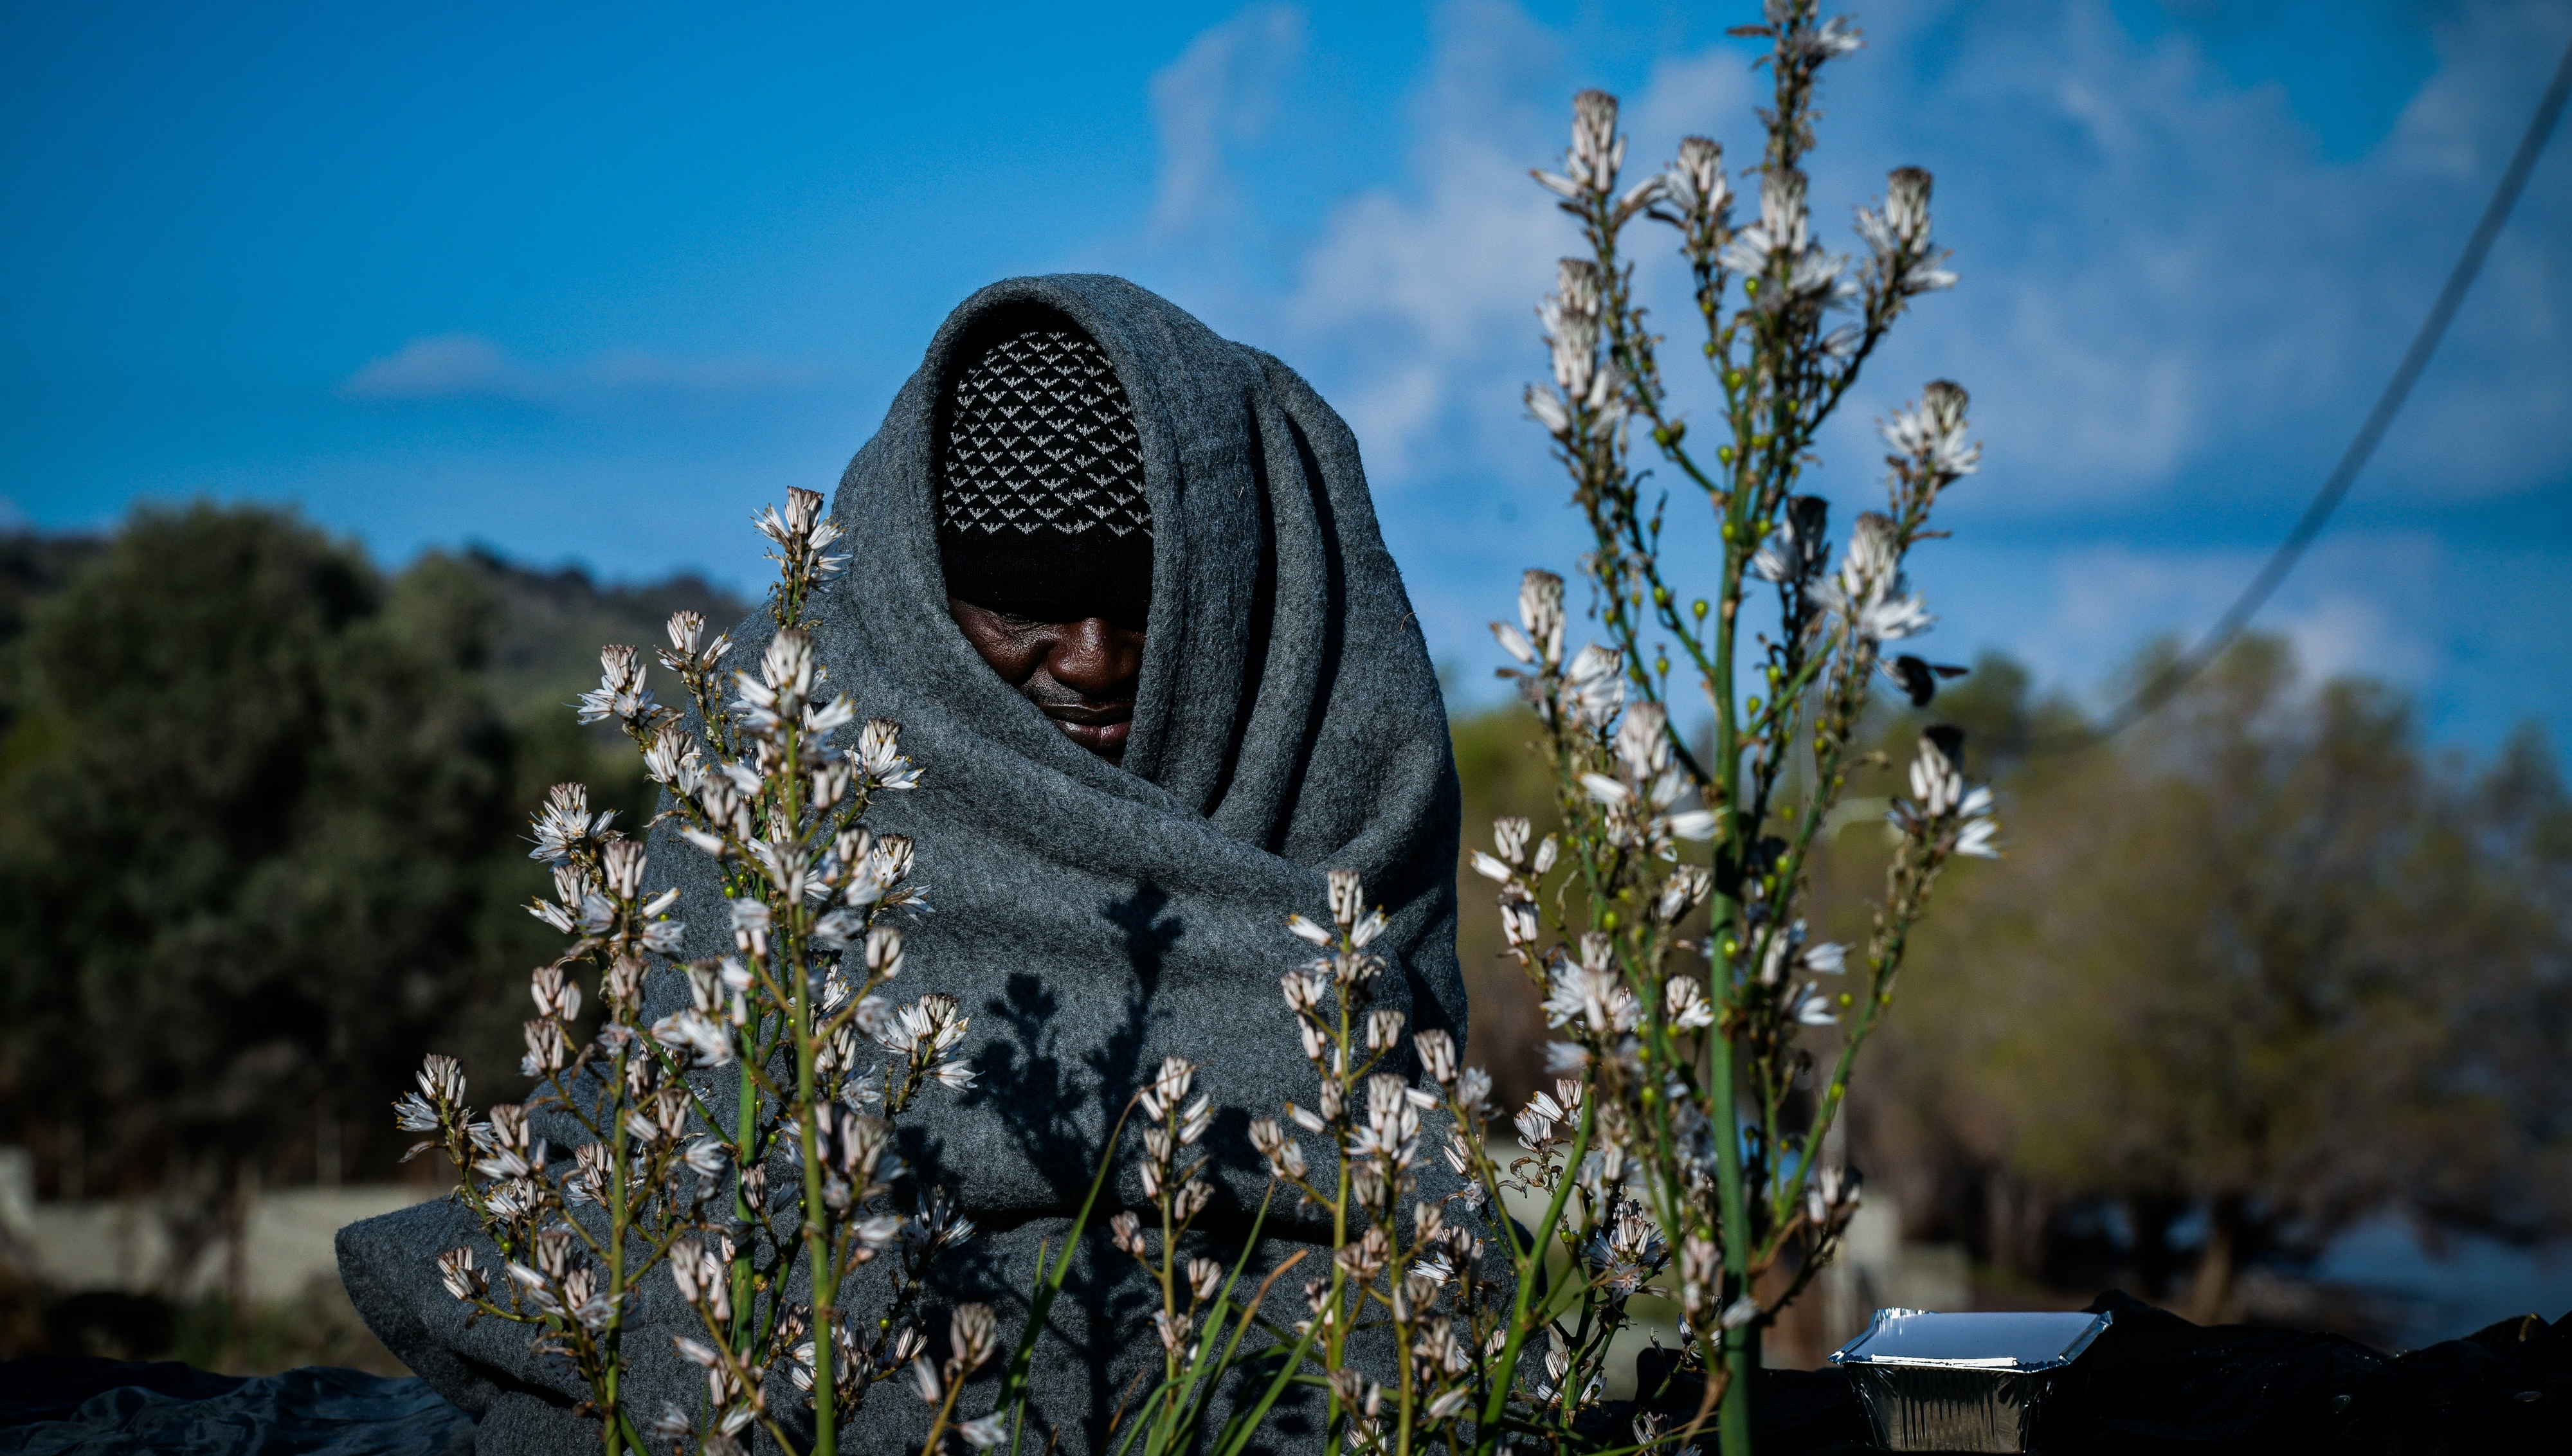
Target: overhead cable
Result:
[2167, 684]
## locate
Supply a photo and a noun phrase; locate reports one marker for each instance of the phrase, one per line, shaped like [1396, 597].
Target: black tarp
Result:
[78, 1407]
[2152, 1383]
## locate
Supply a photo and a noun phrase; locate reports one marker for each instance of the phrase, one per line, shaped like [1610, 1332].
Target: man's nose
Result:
[1097, 658]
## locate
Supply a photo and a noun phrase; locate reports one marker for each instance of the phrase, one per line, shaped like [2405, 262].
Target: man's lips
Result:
[1100, 729]
[1099, 738]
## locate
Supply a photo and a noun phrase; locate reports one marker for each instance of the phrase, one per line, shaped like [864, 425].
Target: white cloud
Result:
[2166, 289]
[1219, 94]
[659, 373]
[2374, 604]
[2344, 633]
[1426, 291]
[2174, 311]
[447, 367]
[465, 366]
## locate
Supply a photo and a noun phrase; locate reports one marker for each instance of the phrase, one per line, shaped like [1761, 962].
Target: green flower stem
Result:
[1529, 1267]
[612, 1427]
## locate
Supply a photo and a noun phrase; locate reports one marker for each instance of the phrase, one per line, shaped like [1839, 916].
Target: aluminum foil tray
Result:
[1961, 1382]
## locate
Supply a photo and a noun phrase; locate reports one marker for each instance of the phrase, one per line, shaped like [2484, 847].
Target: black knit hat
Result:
[1040, 493]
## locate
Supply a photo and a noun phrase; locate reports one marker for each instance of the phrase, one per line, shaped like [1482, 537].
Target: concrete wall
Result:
[1877, 1270]
[120, 1244]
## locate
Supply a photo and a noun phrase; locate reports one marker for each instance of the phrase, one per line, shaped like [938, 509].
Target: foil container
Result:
[1962, 1382]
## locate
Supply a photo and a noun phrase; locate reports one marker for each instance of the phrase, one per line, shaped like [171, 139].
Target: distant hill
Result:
[548, 625]
[551, 625]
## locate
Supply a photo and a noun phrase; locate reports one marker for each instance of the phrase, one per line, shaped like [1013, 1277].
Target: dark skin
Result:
[1079, 670]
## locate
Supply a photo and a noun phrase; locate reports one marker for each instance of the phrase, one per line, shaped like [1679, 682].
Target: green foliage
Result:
[2267, 958]
[251, 796]
[1503, 773]
[262, 811]
[32, 567]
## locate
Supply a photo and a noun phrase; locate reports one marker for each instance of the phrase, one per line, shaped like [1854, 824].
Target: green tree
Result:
[258, 823]
[2264, 962]
[1503, 772]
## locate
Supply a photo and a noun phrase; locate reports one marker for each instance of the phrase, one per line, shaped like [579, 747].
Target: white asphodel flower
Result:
[800, 535]
[1975, 839]
[1935, 783]
[1685, 1000]
[1546, 409]
[691, 1030]
[878, 753]
[1942, 803]
[564, 824]
[1696, 825]
[1975, 831]
[1895, 619]
[620, 692]
[1540, 612]
[1932, 434]
[1899, 237]
[1695, 182]
[1810, 1007]
[1570, 318]
[1687, 885]
[1590, 167]
[1865, 592]
[1596, 684]
[1802, 40]
[1595, 997]
[1643, 741]
[1779, 249]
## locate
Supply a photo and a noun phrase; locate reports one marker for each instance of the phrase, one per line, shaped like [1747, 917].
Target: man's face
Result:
[1079, 670]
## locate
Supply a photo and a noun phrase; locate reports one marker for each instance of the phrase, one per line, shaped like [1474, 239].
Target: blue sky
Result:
[591, 283]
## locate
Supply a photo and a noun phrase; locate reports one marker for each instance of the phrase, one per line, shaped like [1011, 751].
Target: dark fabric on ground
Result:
[2504, 1388]
[130, 1410]
[1091, 918]
[2154, 1382]
[2157, 1385]
[50, 1387]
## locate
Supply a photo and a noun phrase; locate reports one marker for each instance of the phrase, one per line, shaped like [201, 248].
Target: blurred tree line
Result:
[2264, 966]
[262, 810]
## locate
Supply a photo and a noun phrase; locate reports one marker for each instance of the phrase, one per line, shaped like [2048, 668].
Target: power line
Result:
[2166, 685]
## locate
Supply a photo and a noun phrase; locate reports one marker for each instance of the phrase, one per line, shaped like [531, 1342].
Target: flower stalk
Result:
[617, 1168]
[1700, 1077]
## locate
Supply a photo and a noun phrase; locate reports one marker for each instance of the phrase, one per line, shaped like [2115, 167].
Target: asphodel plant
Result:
[1705, 1039]
[620, 1163]
[1714, 1062]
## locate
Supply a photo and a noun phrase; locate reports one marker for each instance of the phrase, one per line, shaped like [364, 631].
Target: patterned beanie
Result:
[1040, 492]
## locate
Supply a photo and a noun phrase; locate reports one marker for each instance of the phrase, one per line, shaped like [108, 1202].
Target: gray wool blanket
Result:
[1091, 918]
